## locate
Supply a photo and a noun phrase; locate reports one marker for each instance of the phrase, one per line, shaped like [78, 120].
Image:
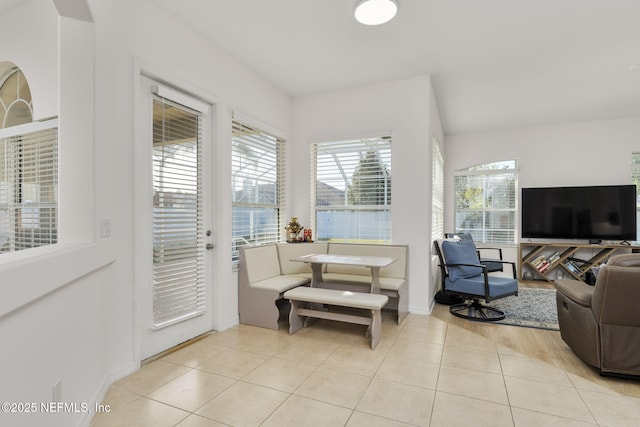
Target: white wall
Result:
[589, 153]
[28, 29]
[407, 108]
[147, 39]
[80, 326]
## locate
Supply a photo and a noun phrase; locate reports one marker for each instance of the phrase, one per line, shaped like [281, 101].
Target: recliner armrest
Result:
[575, 290]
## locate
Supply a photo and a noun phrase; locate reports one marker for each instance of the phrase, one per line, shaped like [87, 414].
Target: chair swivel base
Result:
[474, 310]
[447, 299]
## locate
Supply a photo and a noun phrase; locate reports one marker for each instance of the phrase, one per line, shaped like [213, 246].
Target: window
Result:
[28, 187]
[258, 180]
[15, 97]
[28, 168]
[437, 196]
[635, 179]
[485, 202]
[351, 190]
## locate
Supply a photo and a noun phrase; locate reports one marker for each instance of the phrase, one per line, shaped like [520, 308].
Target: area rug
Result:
[532, 308]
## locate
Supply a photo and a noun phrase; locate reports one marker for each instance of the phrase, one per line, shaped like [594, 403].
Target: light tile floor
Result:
[423, 373]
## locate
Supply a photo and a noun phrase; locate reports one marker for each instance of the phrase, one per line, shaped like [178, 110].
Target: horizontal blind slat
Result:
[351, 195]
[178, 288]
[28, 189]
[257, 164]
[485, 202]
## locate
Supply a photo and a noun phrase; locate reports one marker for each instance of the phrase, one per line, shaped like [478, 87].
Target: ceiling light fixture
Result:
[375, 12]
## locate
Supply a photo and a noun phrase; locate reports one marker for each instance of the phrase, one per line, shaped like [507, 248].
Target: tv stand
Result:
[545, 262]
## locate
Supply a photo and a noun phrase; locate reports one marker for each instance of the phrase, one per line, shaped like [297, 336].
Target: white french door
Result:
[173, 217]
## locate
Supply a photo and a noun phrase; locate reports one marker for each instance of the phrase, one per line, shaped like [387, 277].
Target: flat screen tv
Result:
[595, 213]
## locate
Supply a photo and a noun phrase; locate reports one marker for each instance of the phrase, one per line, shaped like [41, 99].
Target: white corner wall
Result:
[408, 109]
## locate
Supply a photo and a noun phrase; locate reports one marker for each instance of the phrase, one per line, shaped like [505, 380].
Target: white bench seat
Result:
[393, 279]
[281, 283]
[304, 303]
[261, 285]
[266, 272]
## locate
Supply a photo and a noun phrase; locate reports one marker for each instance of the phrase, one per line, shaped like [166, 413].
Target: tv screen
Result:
[593, 213]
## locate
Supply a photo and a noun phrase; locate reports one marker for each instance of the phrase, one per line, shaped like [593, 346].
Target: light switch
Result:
[105, 227]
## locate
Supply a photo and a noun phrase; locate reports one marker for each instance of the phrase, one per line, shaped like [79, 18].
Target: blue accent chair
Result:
[464, 276]
[493, 264]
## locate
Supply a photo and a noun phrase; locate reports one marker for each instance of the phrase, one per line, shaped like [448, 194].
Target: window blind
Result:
[258, 181]
[351, 189]
[178, 246]
[29, 188]
[437, 184]
[485, 202]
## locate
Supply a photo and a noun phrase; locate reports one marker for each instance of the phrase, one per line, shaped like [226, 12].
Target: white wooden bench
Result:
[305, 301]
[393, 279]
[266, 272]
[261, 285]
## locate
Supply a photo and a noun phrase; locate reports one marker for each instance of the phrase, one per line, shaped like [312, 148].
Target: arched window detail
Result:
[15, 97]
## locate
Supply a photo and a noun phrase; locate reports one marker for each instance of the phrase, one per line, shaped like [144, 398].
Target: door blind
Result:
[29, 189]
[178, 243]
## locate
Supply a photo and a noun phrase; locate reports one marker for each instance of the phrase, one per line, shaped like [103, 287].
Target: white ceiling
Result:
[494, 63]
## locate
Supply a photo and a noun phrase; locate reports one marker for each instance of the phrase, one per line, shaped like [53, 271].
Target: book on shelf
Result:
[541, 258]
[544, 267]
[573, 267]
[537, 260]
[543, 262]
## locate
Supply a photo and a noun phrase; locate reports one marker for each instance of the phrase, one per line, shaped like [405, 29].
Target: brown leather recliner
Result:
[601, 323]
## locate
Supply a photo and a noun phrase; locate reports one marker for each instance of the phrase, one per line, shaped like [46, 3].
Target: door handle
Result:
[209, 246]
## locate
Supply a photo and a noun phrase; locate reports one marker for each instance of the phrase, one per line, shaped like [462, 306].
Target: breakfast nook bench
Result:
[309, 303]
[266, 272]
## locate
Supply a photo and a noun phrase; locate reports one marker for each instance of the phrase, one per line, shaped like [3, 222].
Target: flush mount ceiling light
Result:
[375, 12]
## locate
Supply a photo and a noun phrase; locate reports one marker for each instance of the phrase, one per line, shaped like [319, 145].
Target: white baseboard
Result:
[110, 378]
[229, 323]
[420, 310]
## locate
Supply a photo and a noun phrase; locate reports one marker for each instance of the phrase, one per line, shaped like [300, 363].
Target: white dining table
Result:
[375, 263]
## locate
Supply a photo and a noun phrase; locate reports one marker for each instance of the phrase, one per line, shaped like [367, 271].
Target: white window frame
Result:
[332, 166]
[43, 137]
[264, 148]
[437, 192]
[487, 174]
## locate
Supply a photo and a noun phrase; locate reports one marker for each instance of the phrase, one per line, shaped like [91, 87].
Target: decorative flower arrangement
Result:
[293, 229]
